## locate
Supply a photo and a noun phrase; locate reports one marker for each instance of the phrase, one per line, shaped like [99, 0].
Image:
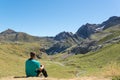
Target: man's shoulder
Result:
[33, 60]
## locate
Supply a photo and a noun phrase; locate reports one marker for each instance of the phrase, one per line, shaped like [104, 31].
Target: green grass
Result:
[56, 70]
[13, 57]
[11, 65]
[104, 62]
[94, 62]
[110, 36]
[107, 34]
[112, 33]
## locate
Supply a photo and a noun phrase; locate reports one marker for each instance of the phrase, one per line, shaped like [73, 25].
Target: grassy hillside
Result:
[107, 34]
[13, 56]
[105, 62]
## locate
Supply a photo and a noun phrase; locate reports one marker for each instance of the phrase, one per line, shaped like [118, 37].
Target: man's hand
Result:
[42, 67]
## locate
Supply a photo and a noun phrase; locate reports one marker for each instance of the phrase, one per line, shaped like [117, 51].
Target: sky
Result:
[50, 17]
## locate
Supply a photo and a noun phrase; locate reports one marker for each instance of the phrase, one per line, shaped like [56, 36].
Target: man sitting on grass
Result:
[33, 67]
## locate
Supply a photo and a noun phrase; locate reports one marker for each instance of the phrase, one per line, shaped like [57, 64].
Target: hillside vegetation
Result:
[92, 51]
[13, 56]
[105, 61]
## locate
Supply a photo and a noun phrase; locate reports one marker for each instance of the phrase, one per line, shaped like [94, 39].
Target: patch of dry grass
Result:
[112, 69]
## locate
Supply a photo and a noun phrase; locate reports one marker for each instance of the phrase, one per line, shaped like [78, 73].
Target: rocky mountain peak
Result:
[86, 30]
[112, 21]
[63, 35]
[8, 31]
[114, 18]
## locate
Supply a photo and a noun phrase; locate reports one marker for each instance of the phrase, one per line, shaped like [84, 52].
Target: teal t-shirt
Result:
[31, 66]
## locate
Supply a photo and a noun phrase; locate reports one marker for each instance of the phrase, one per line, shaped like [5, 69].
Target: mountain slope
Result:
[98, 62]
[11, 35]
[109, 29]
[64, 40]
[112, 21]
[86, 30]
[107, 34]
[101, 46]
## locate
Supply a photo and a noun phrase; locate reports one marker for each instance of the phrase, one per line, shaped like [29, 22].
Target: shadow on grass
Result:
[20, 77]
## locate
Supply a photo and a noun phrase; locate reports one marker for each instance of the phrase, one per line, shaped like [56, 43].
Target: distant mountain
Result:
[86, 30]
[8, 31]
[11, 35]
[107, 32]
[64, 41]
[112, 21]
[63, 35]
[81, 41]
[86, 38]
[69, 36]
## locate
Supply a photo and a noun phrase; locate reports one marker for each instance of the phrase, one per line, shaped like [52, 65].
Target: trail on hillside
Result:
[61, 64]
[38, 78]
[79, 72]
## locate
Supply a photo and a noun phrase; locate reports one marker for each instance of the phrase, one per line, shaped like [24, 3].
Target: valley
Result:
[92, 53]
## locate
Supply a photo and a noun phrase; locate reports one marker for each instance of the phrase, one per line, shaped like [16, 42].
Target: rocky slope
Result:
[81, 40]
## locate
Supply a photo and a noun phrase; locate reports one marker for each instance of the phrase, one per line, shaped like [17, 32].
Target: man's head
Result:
[32, 54]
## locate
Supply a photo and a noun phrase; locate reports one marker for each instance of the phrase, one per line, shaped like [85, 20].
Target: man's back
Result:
[31, 67]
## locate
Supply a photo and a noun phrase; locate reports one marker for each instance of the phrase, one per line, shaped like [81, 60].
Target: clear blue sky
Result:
[50, 17]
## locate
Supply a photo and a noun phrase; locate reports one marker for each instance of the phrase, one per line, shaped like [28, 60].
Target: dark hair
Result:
[32, 54]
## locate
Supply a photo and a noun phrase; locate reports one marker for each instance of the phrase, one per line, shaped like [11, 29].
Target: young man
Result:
[33, 67]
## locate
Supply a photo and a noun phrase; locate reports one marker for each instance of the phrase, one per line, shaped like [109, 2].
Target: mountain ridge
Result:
[64, 40]
[83, 34]
[11, 35]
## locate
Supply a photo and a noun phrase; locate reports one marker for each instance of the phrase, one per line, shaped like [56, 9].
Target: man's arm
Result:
[42, 67]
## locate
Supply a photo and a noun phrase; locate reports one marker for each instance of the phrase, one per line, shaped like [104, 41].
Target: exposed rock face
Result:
[64, 41]
[67, 36]
[84, 47]
[86, 30]
[112, 21]
[68, 39]
[58, 47]
[63, 35]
